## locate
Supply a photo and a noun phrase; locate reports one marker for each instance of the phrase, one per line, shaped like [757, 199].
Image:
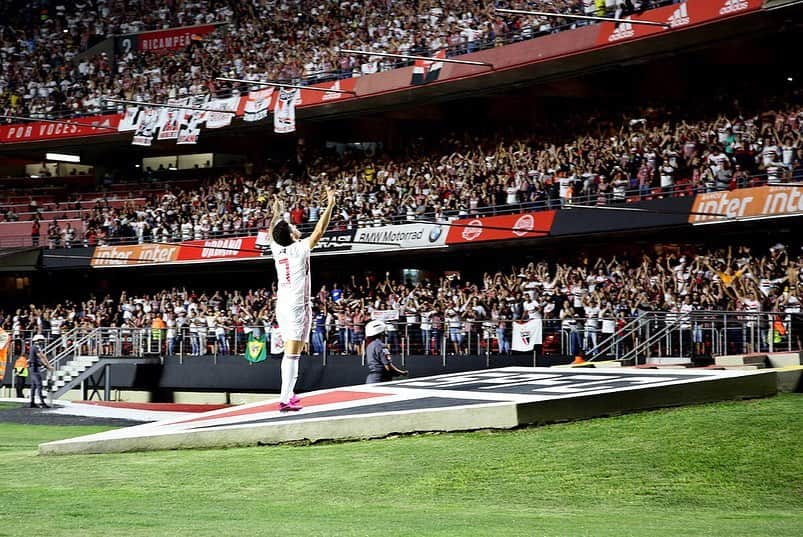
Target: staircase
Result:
[70, 374]
[70, 366]
[648, 330]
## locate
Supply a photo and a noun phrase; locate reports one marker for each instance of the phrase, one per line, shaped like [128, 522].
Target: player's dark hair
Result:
[281, 233]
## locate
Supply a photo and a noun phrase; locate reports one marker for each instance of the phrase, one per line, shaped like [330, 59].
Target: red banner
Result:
[501, 228]
[211, 249]
[310, 98]
[676, 15]
[171, 39]
[41, 130]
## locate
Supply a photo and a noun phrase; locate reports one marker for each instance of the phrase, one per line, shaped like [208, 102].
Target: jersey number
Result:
[286, 263]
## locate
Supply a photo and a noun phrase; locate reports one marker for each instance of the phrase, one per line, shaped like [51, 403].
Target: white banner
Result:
[284, 114]
[130, 119]
[385, 315]
[257, 105]
[276, 341]
[169, 120]
[405, 235]
[526, 335]
[146, 127]
[190, 127]
[216, 120]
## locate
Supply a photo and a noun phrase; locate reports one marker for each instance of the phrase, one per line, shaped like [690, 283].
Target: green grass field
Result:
[725, 469]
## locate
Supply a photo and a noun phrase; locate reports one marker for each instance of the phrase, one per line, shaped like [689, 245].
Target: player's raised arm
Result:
[277, 212]
[323, 223]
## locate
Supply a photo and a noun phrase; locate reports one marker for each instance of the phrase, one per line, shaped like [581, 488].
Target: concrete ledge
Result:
[492, 399]
[598, 405]
[493, 416]
[670, 361]
[741, 359]
[789, 379]
[784, 359]
[614, 364]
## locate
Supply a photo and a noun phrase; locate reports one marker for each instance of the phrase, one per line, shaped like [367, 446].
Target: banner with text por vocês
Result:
[41, 130]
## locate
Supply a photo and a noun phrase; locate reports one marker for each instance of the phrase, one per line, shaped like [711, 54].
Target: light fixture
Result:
[61, 157]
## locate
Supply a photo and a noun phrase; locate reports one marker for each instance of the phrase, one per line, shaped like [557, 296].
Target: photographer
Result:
[380, 366]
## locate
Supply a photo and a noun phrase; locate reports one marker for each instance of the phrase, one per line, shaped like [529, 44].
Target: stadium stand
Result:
[49, 69]
[598, 158]
[586, 299]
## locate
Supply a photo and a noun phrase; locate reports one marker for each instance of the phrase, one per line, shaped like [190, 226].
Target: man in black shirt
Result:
[377, 355]
[37, 360]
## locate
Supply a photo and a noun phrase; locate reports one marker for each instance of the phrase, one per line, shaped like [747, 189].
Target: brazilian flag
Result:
[256, 349]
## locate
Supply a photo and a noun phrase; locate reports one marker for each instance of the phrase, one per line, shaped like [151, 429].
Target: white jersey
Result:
[292, 274]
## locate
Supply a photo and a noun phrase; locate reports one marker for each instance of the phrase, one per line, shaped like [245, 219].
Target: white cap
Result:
[374, 328]
[38, 337]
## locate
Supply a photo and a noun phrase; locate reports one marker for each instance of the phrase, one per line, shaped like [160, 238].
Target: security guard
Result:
[20, 374]
[377, 355]
[37, 359]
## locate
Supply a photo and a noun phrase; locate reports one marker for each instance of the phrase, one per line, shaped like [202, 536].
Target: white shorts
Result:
[294, 323]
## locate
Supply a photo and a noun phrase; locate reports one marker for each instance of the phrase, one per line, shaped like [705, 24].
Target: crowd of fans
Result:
[589, 158]
[43, 72]
[585, 297]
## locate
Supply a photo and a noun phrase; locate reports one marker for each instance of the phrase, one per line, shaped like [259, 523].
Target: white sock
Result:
[289, 376]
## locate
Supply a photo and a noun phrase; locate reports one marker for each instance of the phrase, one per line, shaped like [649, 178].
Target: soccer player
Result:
[293, 309]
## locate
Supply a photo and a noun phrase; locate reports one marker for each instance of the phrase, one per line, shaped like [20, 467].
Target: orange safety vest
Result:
[21, 366]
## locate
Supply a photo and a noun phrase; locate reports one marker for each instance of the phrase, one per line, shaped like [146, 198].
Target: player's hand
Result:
[277, 205]
[330, 195]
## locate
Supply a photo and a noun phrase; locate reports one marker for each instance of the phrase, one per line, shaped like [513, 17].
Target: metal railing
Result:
[704, 333]
[55, 341]
[654, 334]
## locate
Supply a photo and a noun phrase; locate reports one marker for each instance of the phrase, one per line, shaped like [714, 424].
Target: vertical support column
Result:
[107, 382]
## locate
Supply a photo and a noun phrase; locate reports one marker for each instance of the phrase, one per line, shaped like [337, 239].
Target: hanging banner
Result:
[217, 120]
[130, 119]
[255, 349]
[426, 71]
[169, 120]
[276, 341]
[526, 335]
[385, 315]
[257, 105]
[190, 127]
[284, 114]
[147, 125]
